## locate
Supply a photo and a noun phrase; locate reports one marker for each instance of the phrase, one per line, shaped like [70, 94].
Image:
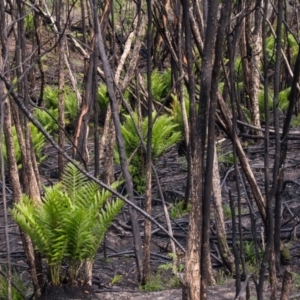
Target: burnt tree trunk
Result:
[120, 142]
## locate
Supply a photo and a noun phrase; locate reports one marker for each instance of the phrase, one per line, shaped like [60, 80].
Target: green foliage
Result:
[116, 279]
[261, 102]
[250, 256]
[48, 118]
[166, 276]
[51, 106]
[293, 46]
[70, 222]
[296, 278]
[296, 121]
[285, 254]
[38, 142]
[226, 158]
[249, 249]
[283, 99]
[270, 47]
[71, 106]
[227, 211]
[170, 265]
[161, 84]
[222, 277]
[287, 40]
[176, 111]
[238, 69]
[177, 209]
[153, 284]
[165, 134]
[15, 294]
[29, 24]
[103, 99]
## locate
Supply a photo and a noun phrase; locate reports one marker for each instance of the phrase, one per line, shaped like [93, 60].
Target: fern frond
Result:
[78, 228]
[86, 194]
[102, 196]
[72, 180]
[104, 220]
[47, 118]
[161, 84]
[71, 106]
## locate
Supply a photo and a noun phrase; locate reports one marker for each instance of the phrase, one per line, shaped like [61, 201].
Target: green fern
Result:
[48, 116]
[270, 48]
[103, 99]
[16, 294]
[293, 45]
[161, 84]
[48, 119]
[261, 102]
[176, 111]
[38, 142]
[238, 68]
[283, 99]
[165, 134]
[71, 106]
[70, 222]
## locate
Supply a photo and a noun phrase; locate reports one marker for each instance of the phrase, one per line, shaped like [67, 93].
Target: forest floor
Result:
[114, 273]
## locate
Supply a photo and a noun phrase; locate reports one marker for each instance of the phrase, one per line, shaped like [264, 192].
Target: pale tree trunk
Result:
[251, 48]
[224, 249]
[192, 275]
[30, 179]
[60, 17]
[208, 101]
[4, 103]
[286, 285]
[186, 129]
[108, 138]
[17, 193]
[259, 199]
[269, 254]
[148, 200]
[80, 151]
[255, 42]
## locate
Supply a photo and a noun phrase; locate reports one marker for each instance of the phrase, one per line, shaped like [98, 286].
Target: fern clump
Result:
[38, 143]
[161, 84]
[165, 134]
[48, 116]
[70, 222]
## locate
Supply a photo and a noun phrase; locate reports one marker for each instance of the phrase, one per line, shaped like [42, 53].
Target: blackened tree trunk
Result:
[120, 141]
[212, 97]
[60, 17]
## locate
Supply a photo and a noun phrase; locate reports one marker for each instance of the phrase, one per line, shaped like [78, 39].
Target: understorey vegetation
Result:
[149, 145]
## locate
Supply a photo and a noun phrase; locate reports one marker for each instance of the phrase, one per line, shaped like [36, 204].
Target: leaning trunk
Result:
[224, 249]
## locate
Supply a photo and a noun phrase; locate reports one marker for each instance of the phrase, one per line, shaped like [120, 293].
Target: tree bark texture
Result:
[60, 17]
[210, 98]
[260, 201]
[148, 199]
[224, 249]
[120, 143]
[192, 276]
[286, 285]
